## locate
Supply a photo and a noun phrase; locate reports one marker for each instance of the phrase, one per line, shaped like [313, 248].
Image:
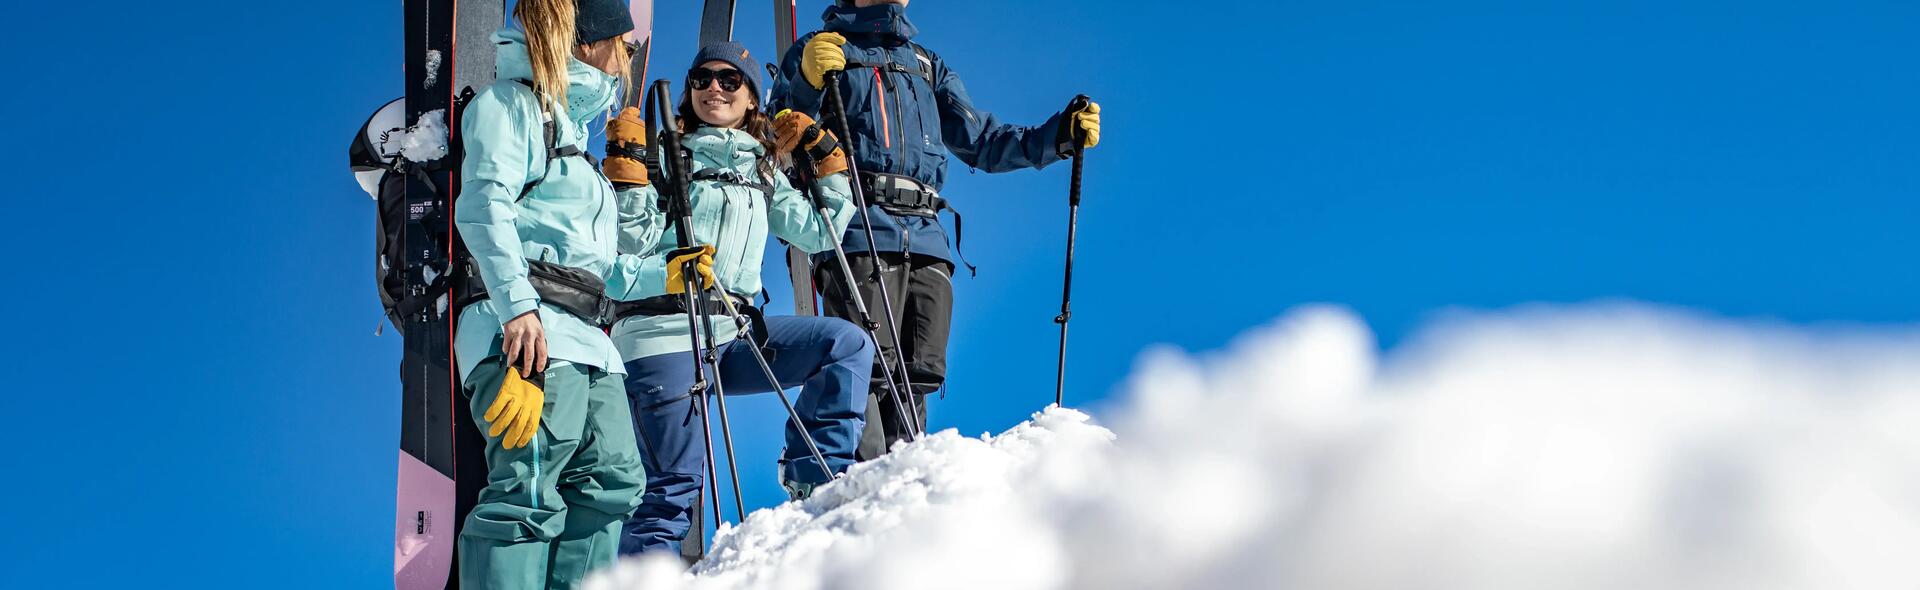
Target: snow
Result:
[426, 140]
[1601, 446]
[433, 69]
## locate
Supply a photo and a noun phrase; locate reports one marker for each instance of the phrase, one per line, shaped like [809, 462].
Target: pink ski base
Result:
[423, 527]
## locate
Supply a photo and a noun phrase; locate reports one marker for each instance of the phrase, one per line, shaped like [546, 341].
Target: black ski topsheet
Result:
[799, 266]
[716, 22]
[447, 51]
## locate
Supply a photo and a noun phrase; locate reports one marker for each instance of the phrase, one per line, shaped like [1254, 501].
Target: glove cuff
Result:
[617, 149]
[819, 144]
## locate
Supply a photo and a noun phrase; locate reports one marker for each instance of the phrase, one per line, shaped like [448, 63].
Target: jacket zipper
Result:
[880, 94]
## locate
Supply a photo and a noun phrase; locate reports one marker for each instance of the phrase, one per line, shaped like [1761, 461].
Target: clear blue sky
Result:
[207, 406]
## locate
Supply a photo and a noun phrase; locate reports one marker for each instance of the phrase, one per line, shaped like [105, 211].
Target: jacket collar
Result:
[881, 19]
[724, 147]
[589, 90]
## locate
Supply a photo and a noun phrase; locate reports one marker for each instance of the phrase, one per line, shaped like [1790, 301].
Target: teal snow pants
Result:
[552, 510]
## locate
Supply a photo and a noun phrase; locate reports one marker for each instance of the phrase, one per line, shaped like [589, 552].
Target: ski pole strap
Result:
[734, 178]
[573, 290]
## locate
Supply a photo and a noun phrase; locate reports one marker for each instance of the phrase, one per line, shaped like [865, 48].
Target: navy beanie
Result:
[734, 55]
[599, 20]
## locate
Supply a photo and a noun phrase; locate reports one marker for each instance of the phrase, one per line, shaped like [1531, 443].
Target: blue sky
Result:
[208, 405]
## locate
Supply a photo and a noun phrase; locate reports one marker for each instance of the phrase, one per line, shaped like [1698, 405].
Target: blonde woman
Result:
[563, 469]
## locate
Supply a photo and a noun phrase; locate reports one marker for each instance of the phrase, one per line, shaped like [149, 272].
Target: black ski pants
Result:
[921, 288]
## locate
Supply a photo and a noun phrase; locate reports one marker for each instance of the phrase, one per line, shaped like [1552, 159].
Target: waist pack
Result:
[573, 290]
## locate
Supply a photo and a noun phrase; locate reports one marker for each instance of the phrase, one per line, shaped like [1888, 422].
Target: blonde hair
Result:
[550, 40]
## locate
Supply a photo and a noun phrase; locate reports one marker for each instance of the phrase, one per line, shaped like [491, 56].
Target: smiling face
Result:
[718, 106]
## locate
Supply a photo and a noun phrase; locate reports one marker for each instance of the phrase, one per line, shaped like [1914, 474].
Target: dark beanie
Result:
[734, 54]
[599, 20]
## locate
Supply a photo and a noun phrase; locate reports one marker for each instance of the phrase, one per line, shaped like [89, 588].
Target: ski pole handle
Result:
[1079, 103]
[1079, 148]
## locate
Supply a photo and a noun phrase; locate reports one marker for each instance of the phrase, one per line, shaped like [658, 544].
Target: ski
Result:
[447, 53]
[799, 266]
[642, 40]
[716, 22]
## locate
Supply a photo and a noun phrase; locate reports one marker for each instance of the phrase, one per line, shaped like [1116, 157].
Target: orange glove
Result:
[798, 133]
[626, 150]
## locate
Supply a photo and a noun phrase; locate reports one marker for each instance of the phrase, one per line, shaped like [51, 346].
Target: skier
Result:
[906, 109]
[563, 471]
[737, 198]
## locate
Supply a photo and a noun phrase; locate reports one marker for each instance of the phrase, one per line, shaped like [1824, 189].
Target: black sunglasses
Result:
[701, 78]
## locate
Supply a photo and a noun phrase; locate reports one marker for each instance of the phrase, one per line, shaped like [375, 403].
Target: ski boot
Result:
[796, 491]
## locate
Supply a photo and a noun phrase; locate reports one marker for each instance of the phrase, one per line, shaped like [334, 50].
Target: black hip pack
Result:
[573, 290]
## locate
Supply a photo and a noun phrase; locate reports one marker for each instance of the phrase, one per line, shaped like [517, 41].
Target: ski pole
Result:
[773, 381]
[720, 399]
[839, 109]
[680, 207]
[1073, 225]
[804, 172]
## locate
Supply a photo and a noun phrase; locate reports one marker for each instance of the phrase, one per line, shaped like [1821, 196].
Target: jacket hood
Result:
[589, 90]
[879, 19]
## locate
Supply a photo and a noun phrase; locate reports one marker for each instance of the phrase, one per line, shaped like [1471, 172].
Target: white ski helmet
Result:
[377, 147]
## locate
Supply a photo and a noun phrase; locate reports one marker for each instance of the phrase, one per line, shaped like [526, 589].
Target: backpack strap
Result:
[924, 69]
[734, 178]
[550, 133]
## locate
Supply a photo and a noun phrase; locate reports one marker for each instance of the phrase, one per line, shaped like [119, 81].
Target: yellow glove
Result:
[702, 259]
[822, 55]
[516, 411]
[1088, 122]
[626, 150]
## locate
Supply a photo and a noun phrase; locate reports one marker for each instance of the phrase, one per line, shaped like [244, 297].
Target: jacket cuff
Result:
[1059, 143]
[651, 280]
[519, 298]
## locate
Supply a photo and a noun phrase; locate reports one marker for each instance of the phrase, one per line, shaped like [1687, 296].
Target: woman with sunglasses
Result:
[563, 471]
[738, 198]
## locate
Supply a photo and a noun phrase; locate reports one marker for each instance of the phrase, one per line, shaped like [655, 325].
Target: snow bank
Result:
[1594, 447]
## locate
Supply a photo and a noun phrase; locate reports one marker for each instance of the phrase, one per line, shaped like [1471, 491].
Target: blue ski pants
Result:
[828, 358]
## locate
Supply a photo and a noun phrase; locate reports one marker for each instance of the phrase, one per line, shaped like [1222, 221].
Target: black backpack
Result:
[375, 158]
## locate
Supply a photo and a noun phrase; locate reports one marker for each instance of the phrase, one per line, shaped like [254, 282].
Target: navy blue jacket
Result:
[904, 125]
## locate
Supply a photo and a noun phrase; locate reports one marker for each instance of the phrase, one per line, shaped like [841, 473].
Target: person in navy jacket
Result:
[906, 111]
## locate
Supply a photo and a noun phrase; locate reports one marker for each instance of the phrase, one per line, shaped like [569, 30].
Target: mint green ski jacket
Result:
[734, 218]
[571, 218]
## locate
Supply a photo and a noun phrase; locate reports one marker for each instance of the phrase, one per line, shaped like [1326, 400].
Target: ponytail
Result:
[549, 25]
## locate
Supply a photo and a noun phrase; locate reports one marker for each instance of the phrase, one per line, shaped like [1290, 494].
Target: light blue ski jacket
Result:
[732, 217]
[571, 218]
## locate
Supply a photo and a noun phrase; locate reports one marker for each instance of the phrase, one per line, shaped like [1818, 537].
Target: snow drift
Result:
[1595, 447]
